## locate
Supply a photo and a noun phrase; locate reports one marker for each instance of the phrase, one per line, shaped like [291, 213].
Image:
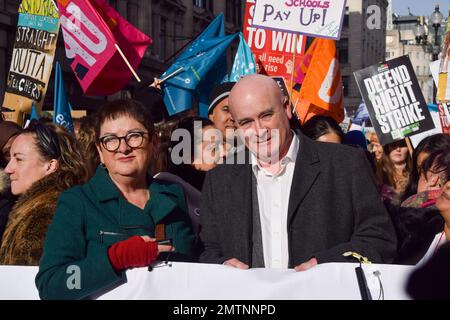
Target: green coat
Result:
[92, 217]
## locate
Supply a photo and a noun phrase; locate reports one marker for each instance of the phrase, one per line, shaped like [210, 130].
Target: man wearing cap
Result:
[296, 202]
[219, 113]
[8, 131]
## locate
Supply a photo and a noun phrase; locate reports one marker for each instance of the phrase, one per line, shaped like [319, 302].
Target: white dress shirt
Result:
[273, 201]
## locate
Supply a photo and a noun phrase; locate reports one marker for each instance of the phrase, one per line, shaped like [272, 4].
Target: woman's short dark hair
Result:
[317, 126]
[124, 108]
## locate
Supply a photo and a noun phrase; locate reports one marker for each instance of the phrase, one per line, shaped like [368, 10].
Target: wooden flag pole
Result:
[128, 63]
[293, 67]
[409, 145]
[171, 75]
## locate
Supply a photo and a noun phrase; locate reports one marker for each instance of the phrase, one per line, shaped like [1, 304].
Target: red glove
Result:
[133, 252]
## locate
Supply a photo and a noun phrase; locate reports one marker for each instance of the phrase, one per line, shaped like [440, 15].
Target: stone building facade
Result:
[170, 23]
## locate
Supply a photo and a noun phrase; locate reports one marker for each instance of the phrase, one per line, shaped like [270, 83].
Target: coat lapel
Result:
[307, 168]
[240, 191]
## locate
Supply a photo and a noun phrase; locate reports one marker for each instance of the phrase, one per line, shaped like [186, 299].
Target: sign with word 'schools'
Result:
[315, 18]
[394, 100]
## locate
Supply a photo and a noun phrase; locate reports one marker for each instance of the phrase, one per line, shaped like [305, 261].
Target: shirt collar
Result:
[291, 155]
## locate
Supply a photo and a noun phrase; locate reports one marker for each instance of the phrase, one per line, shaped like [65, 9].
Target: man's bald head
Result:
[261, 116]
[251, 87]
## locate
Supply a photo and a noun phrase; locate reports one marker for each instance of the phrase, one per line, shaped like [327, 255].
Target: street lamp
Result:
[419, 33]
[436, 19]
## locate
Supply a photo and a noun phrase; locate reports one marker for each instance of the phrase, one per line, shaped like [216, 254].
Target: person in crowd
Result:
[425, 147]
[431, 279]
[8, 132]
[203, 154]
[150, 95]
[219, 114]
[296, 202]
[393, 172]
[45, 161]
[374, 146]
[87, 142]
[357, 139]
[323, 129]
[418, 220]
[200, 155]
[113, 222]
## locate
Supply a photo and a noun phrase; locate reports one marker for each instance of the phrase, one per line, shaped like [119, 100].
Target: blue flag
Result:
[361, 115]
[204, 59]
[244, 62]
[34, 115]
[214, 30]
[61, 106]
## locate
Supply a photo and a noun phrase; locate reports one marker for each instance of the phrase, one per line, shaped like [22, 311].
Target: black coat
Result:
[334, 207]
[416, 229]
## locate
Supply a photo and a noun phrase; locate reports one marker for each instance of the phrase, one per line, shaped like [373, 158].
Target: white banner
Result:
[315, 18]
[193, 281]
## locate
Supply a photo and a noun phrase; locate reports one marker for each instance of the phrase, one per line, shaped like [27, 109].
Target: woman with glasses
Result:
[114, 222]
[44, 161]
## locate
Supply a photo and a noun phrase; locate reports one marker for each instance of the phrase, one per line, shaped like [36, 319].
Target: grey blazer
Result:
[334, 207]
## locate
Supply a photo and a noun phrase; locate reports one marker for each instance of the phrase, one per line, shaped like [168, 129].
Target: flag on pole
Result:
[92, 32]
[322, 92]
[61, 105]
[361, 114]
[204, 59]
[244, 62]
[34, 114]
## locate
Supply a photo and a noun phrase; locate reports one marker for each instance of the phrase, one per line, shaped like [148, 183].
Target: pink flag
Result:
[91, 30]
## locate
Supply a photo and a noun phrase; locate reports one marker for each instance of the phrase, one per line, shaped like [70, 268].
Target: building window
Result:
[200, 3]
[234, 11]
[346, 17]
[342, 47]
[132, 13]
[155, 34]
[162, 39]
[113, 3]
[345, 84]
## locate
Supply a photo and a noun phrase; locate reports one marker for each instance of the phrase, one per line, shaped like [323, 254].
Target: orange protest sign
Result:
[321, 91]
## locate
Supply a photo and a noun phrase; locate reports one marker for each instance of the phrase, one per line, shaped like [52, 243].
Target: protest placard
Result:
[394, 100]
[32, 56]
[321, 19]
[444, 116]
[273, 50]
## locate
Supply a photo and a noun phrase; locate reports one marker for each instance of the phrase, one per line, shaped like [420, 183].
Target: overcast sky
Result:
[419, 7]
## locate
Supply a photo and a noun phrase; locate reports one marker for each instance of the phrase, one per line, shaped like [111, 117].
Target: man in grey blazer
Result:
[295, 202]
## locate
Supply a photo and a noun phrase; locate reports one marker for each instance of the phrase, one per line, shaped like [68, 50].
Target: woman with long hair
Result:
[45, 160]
[393, 171]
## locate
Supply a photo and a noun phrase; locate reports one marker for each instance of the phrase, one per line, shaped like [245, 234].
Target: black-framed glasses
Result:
[133, 139]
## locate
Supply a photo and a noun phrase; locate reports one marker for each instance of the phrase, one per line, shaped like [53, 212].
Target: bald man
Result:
[295, 202]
